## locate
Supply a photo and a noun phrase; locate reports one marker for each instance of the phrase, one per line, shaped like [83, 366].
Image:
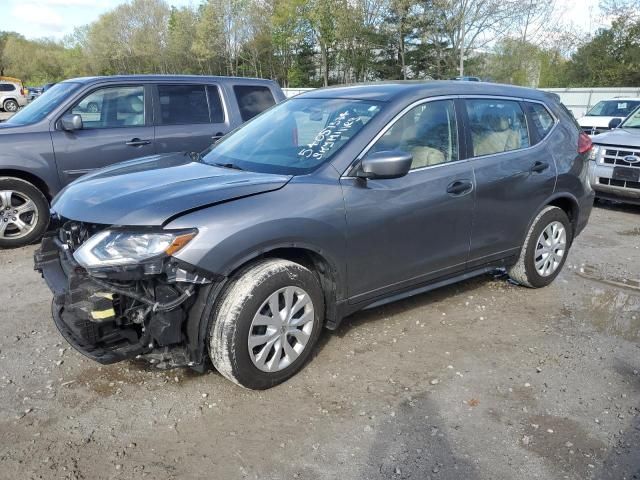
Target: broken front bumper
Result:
[109, 324]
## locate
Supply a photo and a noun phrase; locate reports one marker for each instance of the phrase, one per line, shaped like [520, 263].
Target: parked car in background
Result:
[34, 92]
[86, 123]
[335, 200]
[467, 79]
[13, 94]
[616, 162]
[602, 116]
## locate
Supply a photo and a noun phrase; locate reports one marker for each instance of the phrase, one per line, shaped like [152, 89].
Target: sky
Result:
[57, 18]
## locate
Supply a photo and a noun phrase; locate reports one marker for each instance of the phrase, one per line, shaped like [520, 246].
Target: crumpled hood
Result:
[623, 137]
[151, 190]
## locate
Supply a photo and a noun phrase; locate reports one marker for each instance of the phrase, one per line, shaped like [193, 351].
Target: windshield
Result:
[633, 121]
[294, 137]
[613, 108]
[45, 103]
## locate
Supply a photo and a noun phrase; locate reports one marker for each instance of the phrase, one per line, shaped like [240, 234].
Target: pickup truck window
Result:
[183, 104]
[252, 100]
[44, 104]
[294, 137]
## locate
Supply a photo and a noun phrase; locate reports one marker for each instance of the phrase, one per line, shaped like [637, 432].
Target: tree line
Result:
[310, 43]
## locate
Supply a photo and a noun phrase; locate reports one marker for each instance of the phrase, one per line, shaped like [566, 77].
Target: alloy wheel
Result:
[18, 214]
[550, 249]
[281, 329]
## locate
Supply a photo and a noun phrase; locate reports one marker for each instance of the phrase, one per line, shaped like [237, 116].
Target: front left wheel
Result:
[267, 322]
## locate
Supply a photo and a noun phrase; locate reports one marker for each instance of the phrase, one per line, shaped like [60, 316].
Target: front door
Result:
[116, 126]
[513, 178]
[409, 230]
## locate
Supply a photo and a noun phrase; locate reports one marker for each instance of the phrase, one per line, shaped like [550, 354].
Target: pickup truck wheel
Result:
[10, 105]
[545, 249]
[24, 212]
[268, 320]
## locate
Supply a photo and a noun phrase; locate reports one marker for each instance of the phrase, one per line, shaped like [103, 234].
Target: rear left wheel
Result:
[545, 249]
[267, 323]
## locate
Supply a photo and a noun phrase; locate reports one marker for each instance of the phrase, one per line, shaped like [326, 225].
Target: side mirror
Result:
[386, 164]
[70, 122]
[615, 123]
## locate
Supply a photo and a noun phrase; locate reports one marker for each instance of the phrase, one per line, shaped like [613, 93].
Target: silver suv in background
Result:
[616, 162]
[13, 94]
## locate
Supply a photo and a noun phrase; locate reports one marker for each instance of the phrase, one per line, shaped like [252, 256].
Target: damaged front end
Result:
[120, 294]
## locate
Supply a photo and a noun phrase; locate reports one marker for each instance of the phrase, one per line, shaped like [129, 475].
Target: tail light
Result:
[584, 143]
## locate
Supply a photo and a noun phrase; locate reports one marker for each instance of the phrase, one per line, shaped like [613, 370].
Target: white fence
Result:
[578, 100]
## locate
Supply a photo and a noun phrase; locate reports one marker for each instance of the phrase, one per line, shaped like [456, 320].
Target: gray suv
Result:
[87, 123]
[336, 200]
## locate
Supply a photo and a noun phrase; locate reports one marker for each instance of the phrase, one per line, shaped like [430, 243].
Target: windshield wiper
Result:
[228, 165]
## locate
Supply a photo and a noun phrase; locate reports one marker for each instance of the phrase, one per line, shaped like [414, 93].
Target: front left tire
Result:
[266, 324]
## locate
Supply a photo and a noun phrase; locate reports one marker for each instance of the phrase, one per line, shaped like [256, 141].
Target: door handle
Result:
[136, 142]
[217, 136]
[459, 187]
[539, 167]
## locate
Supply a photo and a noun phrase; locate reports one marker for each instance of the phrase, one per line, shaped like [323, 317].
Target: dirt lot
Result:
[483, 380]
[5, 116]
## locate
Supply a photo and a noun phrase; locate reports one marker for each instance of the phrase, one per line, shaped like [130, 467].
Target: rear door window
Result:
[541, 121]
[253, 100]
[497, 126]
[183, 104]
[112, 107]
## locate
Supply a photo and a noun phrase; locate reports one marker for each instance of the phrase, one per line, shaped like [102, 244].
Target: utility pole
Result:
[462, 47]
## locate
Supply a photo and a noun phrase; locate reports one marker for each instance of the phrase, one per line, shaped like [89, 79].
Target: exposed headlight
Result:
[121, 247]
[594, 153]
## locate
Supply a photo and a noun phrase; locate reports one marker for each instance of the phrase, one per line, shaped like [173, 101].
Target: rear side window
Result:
[497, 126]
[183, 104]
[215, 105]
[7, 87]
[252, 100]
[541, 120]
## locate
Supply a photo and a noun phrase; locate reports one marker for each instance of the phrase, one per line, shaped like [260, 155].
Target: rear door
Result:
[117, 126]
[514, 175]
[188, 117]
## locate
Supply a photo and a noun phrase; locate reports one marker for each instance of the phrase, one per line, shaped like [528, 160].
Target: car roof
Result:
[163, 78]
[410, 90]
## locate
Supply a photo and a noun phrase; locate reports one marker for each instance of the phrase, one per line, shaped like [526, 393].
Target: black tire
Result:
[29, 191]
[10, 105]
[246, 293]
[524, 271]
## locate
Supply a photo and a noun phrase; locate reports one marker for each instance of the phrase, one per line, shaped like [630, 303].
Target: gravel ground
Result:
[5, 116]
[482, 380]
